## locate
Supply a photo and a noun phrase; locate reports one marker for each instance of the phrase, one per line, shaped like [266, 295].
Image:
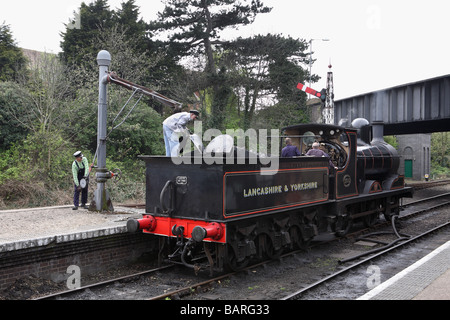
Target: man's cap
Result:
[77, 154]
[195, 112]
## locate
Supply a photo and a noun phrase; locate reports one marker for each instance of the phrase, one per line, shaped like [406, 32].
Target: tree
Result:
[12, 60]
[11, 102]
[78, 41]
[121, 32]
[127, 17]
[41, 109]
[45, 89]
[194, 29]
[266, 71]
[440, 149]
[124, 35]
[96, 19]
[128, 63]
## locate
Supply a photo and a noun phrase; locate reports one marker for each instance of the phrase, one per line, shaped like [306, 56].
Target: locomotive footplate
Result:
[367, 208]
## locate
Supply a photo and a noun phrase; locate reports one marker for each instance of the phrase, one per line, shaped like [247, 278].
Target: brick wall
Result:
[90, 255]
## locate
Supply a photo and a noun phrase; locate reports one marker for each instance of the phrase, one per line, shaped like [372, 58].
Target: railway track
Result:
[428, 184]
[365, 262]
[387, 250]
[195, 287]
[68, 293]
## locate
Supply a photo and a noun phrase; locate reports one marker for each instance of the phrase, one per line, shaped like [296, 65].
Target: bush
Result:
[34, 171]
[439, 172]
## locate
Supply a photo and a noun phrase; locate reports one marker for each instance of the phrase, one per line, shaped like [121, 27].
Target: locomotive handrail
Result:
[161, 197]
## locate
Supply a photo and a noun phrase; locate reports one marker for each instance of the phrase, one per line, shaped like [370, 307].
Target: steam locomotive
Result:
[231, 212]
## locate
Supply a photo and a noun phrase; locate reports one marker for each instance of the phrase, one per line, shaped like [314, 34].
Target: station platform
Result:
[36, 227]
[426, 279]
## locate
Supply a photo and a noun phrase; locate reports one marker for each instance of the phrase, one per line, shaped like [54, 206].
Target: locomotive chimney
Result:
[377, 132]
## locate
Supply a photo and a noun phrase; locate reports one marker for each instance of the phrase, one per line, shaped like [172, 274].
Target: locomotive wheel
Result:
[265, 248]
[232, 262]
[297, 241]
[394, 211]
[294, 234]
[372, 218]
[343, 225]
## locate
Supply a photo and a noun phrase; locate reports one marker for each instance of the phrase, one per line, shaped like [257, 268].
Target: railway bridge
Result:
[411, 112]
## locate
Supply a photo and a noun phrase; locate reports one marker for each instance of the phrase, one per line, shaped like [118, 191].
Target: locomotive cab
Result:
[340, 145]
[332, 139]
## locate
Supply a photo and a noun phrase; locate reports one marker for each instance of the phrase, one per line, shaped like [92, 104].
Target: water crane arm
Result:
[113, 78]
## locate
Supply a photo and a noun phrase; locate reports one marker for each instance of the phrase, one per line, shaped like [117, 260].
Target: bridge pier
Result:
[415, 157]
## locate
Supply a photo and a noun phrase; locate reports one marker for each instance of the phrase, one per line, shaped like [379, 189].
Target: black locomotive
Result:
[231, 212]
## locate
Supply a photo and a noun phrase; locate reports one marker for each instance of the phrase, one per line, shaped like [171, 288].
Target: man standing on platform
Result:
[80, 172]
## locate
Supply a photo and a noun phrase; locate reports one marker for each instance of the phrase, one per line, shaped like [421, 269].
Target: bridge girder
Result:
[418, 107]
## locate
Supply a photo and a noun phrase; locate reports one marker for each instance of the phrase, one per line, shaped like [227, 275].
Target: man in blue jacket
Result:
[290, 150]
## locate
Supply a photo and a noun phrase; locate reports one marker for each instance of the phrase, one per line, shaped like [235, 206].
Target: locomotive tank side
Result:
[218, 192]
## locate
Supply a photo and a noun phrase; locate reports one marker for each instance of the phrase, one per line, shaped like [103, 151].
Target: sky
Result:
[372, 45]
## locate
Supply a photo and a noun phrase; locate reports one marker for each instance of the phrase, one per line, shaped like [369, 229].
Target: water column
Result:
[102, 201]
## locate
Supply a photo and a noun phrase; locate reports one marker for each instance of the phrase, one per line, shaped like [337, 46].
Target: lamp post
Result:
[310, 57]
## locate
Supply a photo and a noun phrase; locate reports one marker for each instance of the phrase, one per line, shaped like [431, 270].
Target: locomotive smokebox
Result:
[379, 159]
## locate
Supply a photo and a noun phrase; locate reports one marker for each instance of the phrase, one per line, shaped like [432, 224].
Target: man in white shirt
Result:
[175, 125]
